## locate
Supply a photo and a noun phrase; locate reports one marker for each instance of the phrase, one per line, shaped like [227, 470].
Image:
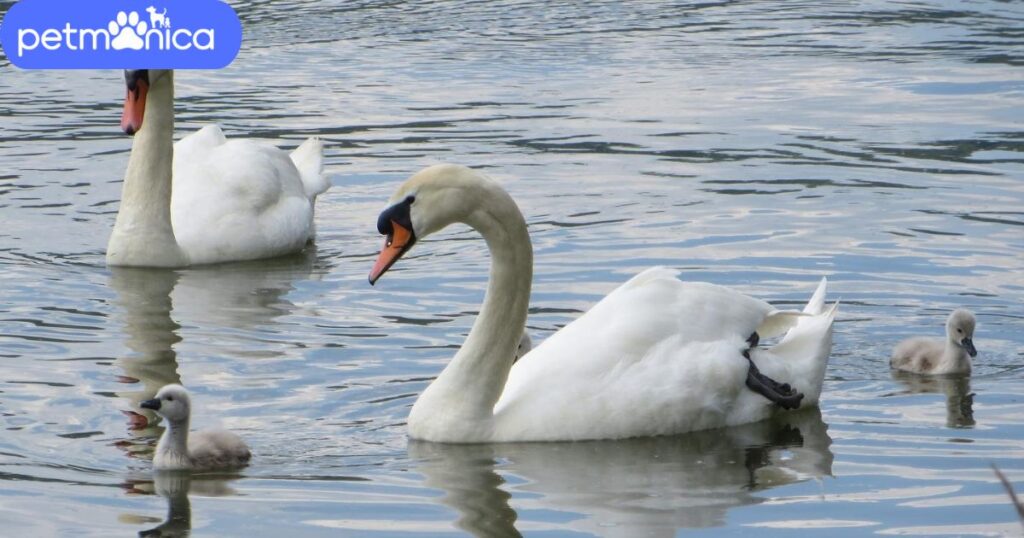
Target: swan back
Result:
[658, 356]
[237, 199]
[217, 449]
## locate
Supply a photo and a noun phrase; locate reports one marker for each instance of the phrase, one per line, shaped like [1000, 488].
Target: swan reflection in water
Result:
[175, 487]
[144, 299]
[649, 487]
[956, 388]
[152, 302]
[242, 295]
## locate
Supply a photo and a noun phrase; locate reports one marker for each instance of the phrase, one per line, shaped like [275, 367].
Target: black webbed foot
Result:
[781, 394]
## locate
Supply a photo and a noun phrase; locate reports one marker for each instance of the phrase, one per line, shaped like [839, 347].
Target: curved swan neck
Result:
[143, 234]
[461, 400]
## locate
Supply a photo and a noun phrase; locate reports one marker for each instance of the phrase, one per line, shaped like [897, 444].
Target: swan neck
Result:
[471, 384]
[955, 358]
[143, 234]
[173, 443]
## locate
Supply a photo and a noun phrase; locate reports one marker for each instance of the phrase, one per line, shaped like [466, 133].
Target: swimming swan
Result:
[178, 450]
[656, 356]
[951, 355]
[206, 199]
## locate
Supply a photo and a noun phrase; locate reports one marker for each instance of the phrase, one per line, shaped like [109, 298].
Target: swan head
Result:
[427, 202]
[960, 329]
[525, 345]
[137, 83]
[171, 402]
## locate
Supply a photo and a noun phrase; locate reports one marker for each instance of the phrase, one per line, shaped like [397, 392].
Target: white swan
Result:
[205, 199]
[951, 355]
[177, 450]
[656, 356]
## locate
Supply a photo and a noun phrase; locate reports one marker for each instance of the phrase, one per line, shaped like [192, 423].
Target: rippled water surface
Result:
[754, 144]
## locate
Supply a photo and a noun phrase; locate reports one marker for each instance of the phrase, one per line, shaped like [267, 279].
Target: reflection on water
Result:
[143, 296]
[175, 487]
[638, 487]
[956, 388]
[243, 296]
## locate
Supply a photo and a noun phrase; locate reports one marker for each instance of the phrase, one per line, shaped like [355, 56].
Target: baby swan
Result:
[936, 356]
[524, 347]
[204, 450]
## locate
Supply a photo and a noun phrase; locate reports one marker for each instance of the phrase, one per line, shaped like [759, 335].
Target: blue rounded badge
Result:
[121, 34]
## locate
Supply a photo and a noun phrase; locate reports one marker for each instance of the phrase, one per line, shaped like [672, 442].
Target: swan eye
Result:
[410, 199]
[170, 398]
[960, 331]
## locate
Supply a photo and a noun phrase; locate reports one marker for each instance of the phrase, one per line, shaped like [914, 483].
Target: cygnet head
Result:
[171, 402]
[525, 345]
[960, 330]
[428, 201]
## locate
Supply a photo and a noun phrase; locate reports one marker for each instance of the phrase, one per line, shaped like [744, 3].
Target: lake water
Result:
[759, 145]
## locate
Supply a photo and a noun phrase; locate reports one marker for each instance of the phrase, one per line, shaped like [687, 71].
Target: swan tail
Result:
[817, 303]
[781, 321]
[815, 317]
[806, 347]
[309, 159]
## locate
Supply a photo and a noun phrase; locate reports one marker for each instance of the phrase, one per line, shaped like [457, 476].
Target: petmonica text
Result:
[120, 34]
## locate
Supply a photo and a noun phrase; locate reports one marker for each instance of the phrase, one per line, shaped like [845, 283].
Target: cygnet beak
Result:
[154, 404]
[968, 345]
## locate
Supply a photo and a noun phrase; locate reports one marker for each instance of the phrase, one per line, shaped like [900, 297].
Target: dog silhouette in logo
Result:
[158, 20]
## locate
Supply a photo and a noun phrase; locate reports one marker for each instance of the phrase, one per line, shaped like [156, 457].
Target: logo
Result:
[120, 34]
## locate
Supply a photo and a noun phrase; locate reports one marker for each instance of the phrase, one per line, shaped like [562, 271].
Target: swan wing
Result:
[217, 449]
[237, 200]
[655, 356]
[919, 354]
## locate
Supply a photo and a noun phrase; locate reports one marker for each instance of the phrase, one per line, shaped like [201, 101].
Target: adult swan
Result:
[205, 199]
[656, 356]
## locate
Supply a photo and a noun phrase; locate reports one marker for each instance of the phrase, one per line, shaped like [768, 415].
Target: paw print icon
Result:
[127, 30]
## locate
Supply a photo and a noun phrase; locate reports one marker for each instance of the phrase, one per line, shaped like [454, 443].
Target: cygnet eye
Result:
[959, 330]
[170, 398]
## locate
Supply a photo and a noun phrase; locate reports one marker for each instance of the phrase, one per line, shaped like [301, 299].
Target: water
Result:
[754, 144]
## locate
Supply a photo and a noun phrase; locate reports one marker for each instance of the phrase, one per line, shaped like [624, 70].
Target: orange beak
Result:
[398, 242]
[134, 108]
